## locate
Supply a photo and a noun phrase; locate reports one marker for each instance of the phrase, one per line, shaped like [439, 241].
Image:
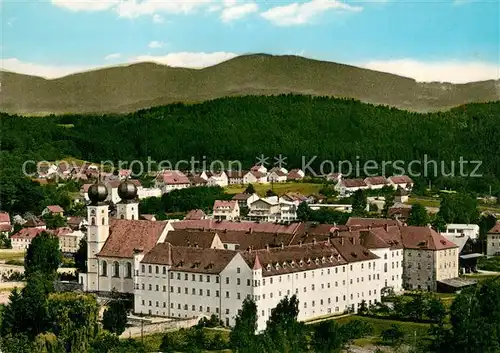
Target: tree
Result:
[73, 318]
[415, 308]
[436, 310]
[115, 317]
[459, 208]
[48, 343]
[393, 335]
[438, 223]
[418, 216]
[327, 337]
[304, 212]
[249, 189]
[358, 203]
[54, 221]
[242, 336]
[81, 256]
[12, 313]
[389, 202]
[270, 193]
[363, 308]
[43, 255]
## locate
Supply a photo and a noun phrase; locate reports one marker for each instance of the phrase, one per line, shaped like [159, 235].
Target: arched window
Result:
[104, 268]
[103, 221]
[128, 272]
[92, 221]
[132, 217]
[116, 269]
[385, 256]
[122, 216]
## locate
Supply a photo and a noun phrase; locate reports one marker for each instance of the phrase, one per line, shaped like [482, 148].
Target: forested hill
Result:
[243, 128]
[138, 86]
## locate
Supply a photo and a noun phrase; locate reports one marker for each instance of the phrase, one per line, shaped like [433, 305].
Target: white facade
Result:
[143, 193]
[255, 177]
[391, 269]
[471, 230]
[218, 179]
[228, 210]
[70, 242]
[163, 291]
[276, 177]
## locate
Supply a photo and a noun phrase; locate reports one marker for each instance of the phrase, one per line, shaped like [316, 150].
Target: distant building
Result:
[403, 181]
[255, 176]
[277, 176]
[226, 210]
[346, 187]
[470, 230]
[401, 195]
[54, 210]
[195, 215]
[377, 182]
[5, 225]
[245, 200]
[295, 174]
[235, 177]
[172, 180]
[493, 240]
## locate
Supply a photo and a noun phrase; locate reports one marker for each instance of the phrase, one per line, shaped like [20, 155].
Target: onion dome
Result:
[127, 191]
[97, 193]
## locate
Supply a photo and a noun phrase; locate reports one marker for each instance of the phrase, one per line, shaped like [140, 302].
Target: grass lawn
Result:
[426, 202]
[9, 254]
[279, 188]
[410, 328]
[480, 277]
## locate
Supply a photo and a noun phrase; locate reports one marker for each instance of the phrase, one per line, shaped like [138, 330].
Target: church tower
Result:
[97, 233]
[128, 207]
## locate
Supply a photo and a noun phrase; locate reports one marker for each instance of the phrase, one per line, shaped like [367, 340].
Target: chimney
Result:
[386, 227]
[341, 240]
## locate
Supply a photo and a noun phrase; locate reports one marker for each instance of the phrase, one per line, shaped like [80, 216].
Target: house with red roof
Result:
[295, 174]
[403, 181]
[277, 176]
[346, 187]
[170, 180]
[5, 225]
[493, 240]
[195, 215]
[22, 239]
[226, 210]
[235, 177]
[245, 200]
[377, 182]
[255, 176]
[54, 210]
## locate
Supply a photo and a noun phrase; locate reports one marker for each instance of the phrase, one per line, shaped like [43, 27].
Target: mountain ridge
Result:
[126, 88]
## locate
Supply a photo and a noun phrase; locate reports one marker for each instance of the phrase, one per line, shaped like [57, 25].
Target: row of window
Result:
[116, 269]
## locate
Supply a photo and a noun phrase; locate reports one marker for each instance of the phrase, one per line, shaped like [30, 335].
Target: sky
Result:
[429, 40]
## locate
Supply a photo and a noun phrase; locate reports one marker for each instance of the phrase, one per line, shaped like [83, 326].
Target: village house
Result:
[403, 181]
[54, 210]
[493, 241]
[235, 177]
[69, 239]
[277, 176]
[334, 177]
[217, 179]
[22, 239]
[295, 174]
[471, 230]
[226, 210]
[346, 187]
[255, 176]
[195, 215]
[377, 182]
[400, 196]
[5, 225]
[259, 168]
[295, 197]
[171, 180]
[77, 223]
[264, 209]
[196, 180]
[245, 200]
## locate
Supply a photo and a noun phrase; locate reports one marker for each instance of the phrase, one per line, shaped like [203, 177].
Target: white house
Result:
[245, 200]
[377, 182]
[334, 177]
[470, 230]
[227, 210]
[277, 176]
[53, 210]
[264, 209]
[22, 239]
[172, 180]
[493, 241]
[255, 176]
[348, 186]
[217, 178]
[144, 193]
[295, 174]
[403, 181]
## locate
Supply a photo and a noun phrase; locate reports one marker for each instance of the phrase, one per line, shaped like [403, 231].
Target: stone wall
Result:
[159, 327]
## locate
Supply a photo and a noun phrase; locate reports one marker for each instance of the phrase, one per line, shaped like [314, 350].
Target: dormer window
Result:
[301, 263]
[338, 258]
[323, 259]
[277, 265]
[292, 264]
[308, 261]
[284, 264]
[317, 261]
[331, 258]
[268, 267]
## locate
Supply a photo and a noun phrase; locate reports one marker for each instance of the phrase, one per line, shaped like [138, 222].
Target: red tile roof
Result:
[211, 224]
[257, 174]
[28, 233]
[365, 222]
[378, 180]
[196, 180]
[174, 177]
[189, 259]
[126, 235]
[294, 174]
[33, 223]
[4, 217]
[424, 238]
[353, 183]
[195, 215]
[223, 204]
[191, 238]
[401, 179]
[235, 174]
[495, 229]
[55, 209]
[75, 221]
[5, 227]
[279, 173]
[255, 240]
[148, 217]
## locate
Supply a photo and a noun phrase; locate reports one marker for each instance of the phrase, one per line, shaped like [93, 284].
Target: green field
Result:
[7, 254]
[305, 189]
[424, 201]
[414, 331]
